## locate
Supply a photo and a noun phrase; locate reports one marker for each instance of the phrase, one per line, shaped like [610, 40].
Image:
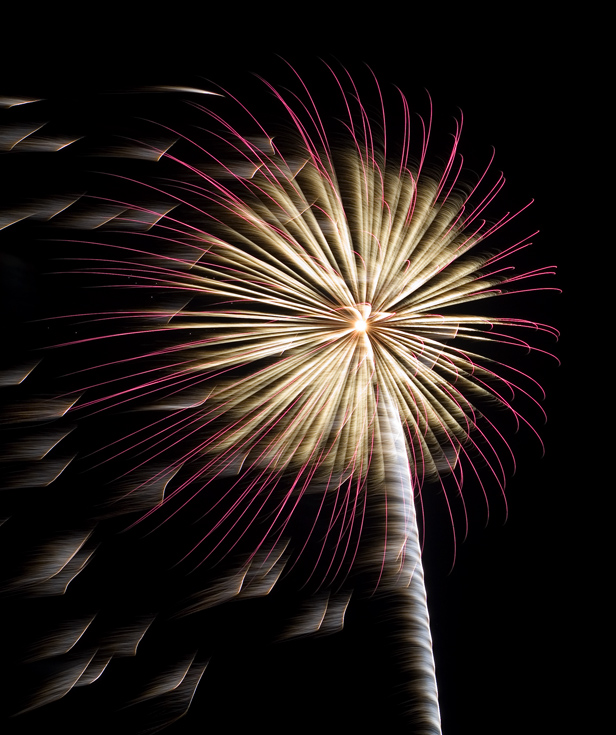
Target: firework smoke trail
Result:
[313, 344]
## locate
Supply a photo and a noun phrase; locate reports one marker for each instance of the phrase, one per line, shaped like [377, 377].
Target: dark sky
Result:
[501, 617]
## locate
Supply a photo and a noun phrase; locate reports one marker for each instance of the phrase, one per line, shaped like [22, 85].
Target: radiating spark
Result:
[307, 314]
[323, 280]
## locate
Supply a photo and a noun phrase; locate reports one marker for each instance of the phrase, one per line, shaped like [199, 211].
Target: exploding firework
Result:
[297, 332]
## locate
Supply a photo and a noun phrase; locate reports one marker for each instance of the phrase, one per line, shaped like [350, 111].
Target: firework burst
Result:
[309, 337]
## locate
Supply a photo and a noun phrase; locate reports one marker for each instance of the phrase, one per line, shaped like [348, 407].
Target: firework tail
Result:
[404, 574]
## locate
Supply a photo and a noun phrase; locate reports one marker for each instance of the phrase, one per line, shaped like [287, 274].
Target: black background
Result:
[502, 619]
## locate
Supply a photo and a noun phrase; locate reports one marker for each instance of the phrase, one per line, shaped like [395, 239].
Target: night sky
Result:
[501, 618]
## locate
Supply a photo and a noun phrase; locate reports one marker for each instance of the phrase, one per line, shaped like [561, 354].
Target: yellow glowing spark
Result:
[343, 244]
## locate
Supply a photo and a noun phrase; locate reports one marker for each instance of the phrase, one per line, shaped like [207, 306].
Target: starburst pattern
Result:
[320, 280]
